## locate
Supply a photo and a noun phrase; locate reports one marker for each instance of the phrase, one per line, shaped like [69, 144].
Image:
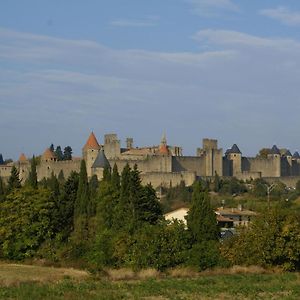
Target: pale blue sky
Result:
[223, 69]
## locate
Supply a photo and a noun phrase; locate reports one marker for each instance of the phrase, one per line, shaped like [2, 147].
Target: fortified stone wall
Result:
[194, 164]
[168, 179]
[45, 169]
[5, 171]
[269, 167]
[161, 163]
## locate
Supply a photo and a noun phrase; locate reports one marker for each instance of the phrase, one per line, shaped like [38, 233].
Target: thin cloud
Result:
[230, 38]
[283, 15]
[240, 81]
[210, 8]
[134, 23]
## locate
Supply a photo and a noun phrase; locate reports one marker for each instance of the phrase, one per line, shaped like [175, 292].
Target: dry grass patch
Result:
[14, 274]
[182, 272]
[121, 274]
[148, 273]
[240, 270]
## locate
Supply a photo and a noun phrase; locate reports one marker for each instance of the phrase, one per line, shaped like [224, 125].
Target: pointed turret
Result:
[48, 155]
[23, 158]
[90, 152]
[296, 155]
[275, 150]
[92, 143]
[288, 153]
[101, 161]
[163, 147]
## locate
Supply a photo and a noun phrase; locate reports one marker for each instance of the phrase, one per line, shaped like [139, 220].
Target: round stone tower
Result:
[90, 152]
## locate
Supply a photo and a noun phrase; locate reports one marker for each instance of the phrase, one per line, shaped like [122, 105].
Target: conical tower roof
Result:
[288, 153]
[48, 154]
[23, 158]
[235, 149]
[275, 150]
[101, 161]
[296, 155]
[92, 143]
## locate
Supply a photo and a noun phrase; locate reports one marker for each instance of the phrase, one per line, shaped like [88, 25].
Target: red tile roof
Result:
[92, 143]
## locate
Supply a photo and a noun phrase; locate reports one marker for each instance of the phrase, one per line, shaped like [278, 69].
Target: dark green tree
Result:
[1, 159]
[149, 209]
[2, 190]
[51, 147]
[82, 209]
[201, 219]
[25, 221]
[67, 153]
[115, 178]
[217, 183]
[107, 174]
[125, 181]
[53, 185]
[61, 177]
[298, 187]
[58, 153]
[66, 204]
[32, 178]
[13, 181]
[94, 185]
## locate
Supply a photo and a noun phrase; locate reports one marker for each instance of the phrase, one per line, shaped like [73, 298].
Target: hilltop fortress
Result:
[165, 165]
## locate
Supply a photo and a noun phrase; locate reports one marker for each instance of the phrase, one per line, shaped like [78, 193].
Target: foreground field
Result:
[71, 284]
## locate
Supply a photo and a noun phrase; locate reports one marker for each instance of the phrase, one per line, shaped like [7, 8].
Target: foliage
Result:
[259, 188]
[13, 181]
[272, 240]
[83, 208]
[25, 222]
[204, 255]
[32, 178]
[1, 159]
[176, 196]
[159, 246]
[201, 219]
[67, 153]
[232, 186]
[2, 190]
[263, 153]
[58, 153]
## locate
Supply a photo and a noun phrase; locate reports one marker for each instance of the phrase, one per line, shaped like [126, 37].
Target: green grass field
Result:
[30, 282]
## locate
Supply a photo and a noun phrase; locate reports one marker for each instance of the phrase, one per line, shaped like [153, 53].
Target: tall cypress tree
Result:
[125, 181]
[14, 180]
[115, 178]
[61, 177]
[201, 218]
[107, 174]
[135, 194]
[1, 159]
[82, 208]
[53, 185]
[32, 178]
[51, 147]
[2, 190]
